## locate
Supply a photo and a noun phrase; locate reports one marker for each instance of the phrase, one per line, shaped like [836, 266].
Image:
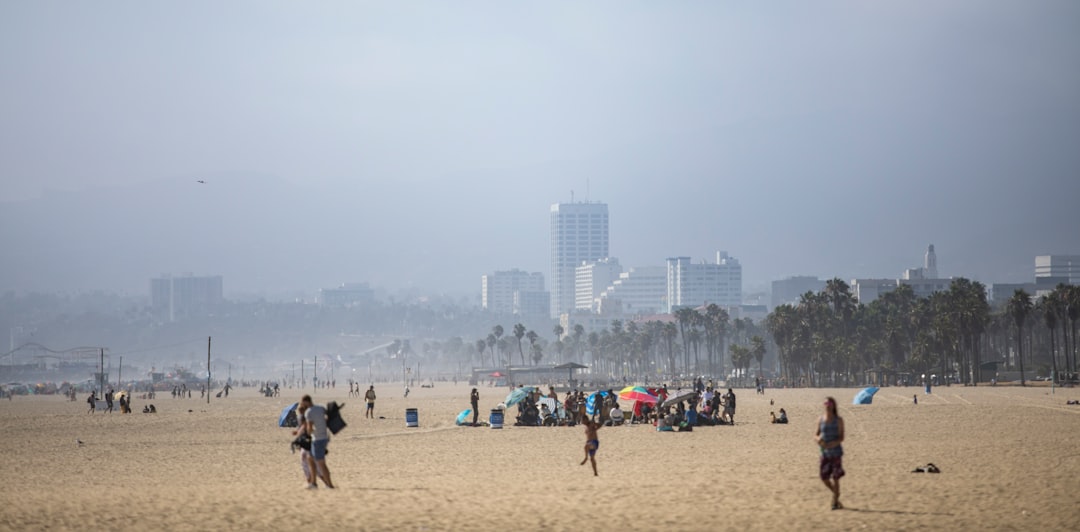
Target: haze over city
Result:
[417, 147]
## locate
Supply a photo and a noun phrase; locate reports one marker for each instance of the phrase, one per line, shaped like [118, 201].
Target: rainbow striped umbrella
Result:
[637, 393]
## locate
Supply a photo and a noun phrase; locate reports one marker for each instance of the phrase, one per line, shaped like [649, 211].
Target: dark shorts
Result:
[593, 446]
[832, 467]
[318, 449]
[371, 406]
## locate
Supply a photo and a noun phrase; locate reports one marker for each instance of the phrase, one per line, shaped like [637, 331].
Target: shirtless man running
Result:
[591, 443]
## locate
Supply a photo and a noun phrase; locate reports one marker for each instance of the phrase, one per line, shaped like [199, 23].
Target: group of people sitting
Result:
[781, 420]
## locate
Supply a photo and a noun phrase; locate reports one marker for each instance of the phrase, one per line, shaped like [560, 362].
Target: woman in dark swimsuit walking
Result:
[829, 437]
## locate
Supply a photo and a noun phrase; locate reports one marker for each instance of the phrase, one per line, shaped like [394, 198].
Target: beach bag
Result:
[334, 422]
[302, 441]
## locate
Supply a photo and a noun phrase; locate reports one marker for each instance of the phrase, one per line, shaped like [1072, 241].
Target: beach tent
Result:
[590, 403]
[518, 395]
[288, 416]
[865, 396]
[463, 416]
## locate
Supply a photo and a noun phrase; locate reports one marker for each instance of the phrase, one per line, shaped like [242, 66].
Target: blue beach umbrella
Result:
[865, 396]
[464, 414]
[518, 395]
[590, 403]
[288, 416]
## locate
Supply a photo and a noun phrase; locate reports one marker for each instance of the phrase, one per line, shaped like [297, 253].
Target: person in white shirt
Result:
[616, 415]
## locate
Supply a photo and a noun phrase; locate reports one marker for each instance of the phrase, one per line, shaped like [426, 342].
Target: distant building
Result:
[640, 290]
[532, 303]
[591, 278]
[925, 287]
[346, 295]
[929, 269]
[867, 290]
[693, 285]
[508, 292]
[175, 298]
[1062, 268]
[788, 291]
[579, 233]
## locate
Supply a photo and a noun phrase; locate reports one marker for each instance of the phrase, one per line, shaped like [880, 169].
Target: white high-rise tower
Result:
[579, 233]
[930, 263]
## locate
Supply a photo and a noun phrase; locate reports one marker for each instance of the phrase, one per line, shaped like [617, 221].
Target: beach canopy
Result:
[865, 396]
[518, 395]
[288, 416]
[637, 393]
[463, 416]
[591, 402]
[675, 400]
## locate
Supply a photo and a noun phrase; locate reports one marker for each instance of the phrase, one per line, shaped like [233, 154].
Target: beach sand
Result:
[1009, 458]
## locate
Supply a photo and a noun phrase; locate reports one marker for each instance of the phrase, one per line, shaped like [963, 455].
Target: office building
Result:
[507, 292]
[591, 279]
[695, 284]
[1061, 268]
[639, 291]
[579, 233]
[789, 291]
[175, 298]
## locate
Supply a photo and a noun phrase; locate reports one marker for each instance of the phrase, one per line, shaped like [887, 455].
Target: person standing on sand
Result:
[315, 421]
[592, 443]
[306, 461]
[474, 399]
[92, 400]
[829, 437]
[729, 406]
[369, 396]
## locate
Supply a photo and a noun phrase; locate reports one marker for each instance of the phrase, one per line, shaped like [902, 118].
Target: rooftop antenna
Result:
[571, 195]
[586, 190]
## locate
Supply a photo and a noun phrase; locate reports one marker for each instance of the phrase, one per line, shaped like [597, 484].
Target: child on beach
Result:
[591, 443]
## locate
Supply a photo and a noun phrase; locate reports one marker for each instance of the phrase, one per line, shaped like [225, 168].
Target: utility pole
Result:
[208, 370]
[101, 374]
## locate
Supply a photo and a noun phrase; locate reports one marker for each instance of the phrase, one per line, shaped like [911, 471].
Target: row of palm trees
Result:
[829, 339]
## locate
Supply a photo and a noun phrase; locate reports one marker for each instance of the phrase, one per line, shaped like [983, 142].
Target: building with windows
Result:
[867, 290]
[790, 290]
[591, 279]
[639, 291]
[509, 292]
[346, 295]
[1061, 268]
[175, 298]
[692, 284]
[579, 234]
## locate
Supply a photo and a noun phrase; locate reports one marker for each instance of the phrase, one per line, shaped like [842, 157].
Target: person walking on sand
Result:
[92, 401]
[830, 437]
[369, 396]
[307, 463]
[315, 425]
[474, 400]
[591, 443]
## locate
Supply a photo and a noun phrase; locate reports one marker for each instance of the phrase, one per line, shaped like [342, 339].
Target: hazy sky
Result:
[423, 142]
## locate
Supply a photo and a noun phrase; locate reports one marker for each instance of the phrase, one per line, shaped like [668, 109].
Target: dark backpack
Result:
[334, 422]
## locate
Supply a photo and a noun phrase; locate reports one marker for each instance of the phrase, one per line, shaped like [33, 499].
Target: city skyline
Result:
[371, 144]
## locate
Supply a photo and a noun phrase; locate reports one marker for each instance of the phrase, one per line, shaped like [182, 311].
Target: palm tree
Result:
[497, 331]
[481, 346]
[532, 336]
[1019, 306]
[558, 330]
[757, 348]
[491, 341]
[669, 332]
[537, 353]
[519, 333]
[1048, 305]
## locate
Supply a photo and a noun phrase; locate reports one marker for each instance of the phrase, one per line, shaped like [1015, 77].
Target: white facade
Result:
[925, 287]
[1063, 268]
[497, 290]
[867, 290]
[579, 233]
[640, 290]
[693, 285]
[790, 290]
[590, 280]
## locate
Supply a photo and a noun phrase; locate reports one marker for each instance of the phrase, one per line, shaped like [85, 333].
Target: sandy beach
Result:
[1008, 455]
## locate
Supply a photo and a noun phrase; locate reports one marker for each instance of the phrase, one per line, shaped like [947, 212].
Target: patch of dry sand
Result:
[1009, 457]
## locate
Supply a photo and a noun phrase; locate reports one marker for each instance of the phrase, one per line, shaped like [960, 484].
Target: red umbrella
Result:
[637, 393]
